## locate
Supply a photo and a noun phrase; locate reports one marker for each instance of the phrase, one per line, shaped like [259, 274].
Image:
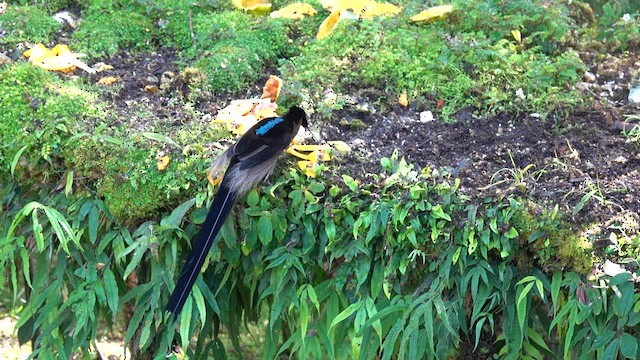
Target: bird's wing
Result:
[252, 150]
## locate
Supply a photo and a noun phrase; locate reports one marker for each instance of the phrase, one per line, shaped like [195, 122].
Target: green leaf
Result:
[439, 213]
[345, 314]
[134, 322]
[135, 260]
[94, 223]
[265, 229]
[253, 198]
[350, 182]
[478, 331]
[111, 287]
[556, 282]
[185, 322]
[316, 187]
[512, 233]
[16, 158]
[68, 187]
[611, 352]
[176, 216]
[604, 339]
[521, 305]
[37, 230]
[202, 310]
[629, 346]
[311, 293]
[160, 138]
[391, 338]
[535, 337]
[304, 319]
[372, 311]
[377, 279]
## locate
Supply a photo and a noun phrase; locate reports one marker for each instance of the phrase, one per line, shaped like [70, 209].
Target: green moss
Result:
[552, 244]
[26, 23]
[52, 6]
[235, 48]
[38, 112]
[105, 33]
[130, 186]
[481, 66]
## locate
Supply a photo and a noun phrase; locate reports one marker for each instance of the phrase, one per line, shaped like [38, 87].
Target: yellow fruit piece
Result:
[163, 162]
[60, 58]
[432, 13]
[328, 24]
[102, 67]
[107, 80]
[256, 7]
[271, 89]
[315, 152]
[295, 11]
[339, 145]
[214, 180]
[152, 89]
[354, 5]
[366, 9]
[240, 115]
[307, 166]
[374, 9]
[402, 100]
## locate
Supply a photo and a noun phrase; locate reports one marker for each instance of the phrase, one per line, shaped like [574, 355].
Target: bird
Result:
[249, 161]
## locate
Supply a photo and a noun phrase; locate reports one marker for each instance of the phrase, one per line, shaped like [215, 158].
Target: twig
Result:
[193, 34]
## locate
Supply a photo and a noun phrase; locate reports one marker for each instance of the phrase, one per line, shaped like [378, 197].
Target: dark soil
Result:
[570, 156]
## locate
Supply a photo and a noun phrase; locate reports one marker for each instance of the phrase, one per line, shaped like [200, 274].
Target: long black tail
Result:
[219, 211]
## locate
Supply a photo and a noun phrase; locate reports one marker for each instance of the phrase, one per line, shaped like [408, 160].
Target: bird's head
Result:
[297, 115]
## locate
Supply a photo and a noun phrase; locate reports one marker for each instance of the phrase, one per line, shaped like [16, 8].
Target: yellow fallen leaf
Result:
[163, 162]
[151, 88]
[271, 89]
[432, 13]
[402, 100]
[256, 7]
[295, 11]
[3, 7]
[107, 80]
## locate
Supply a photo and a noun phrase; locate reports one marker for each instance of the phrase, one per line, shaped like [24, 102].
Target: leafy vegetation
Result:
[400, 264]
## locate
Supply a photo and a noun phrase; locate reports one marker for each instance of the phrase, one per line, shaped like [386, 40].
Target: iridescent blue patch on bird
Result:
[268, 126]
